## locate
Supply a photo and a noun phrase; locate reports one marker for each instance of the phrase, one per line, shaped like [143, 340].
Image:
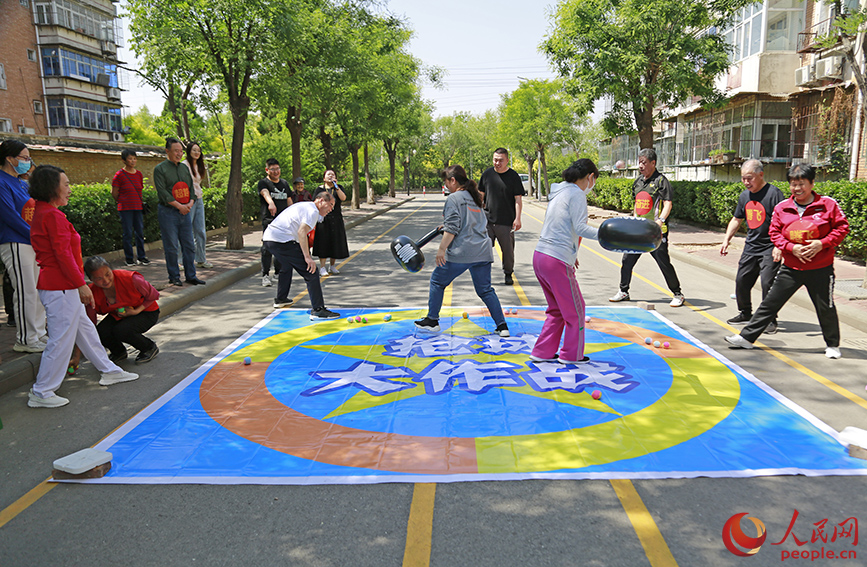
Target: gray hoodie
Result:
[565, 223]
[465, 219]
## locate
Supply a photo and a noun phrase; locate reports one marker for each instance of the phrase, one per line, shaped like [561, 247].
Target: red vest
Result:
[126, 292]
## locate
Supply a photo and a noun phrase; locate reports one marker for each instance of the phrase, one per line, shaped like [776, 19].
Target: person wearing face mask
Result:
[555, 261]
[16, 214]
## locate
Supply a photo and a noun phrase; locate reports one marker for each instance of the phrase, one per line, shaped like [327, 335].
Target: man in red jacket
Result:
[807, 228]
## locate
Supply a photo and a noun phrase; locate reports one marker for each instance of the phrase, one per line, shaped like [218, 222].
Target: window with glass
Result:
[2, 76]
[785, 21]
[75, 113]
[57, 61]
[77, 17]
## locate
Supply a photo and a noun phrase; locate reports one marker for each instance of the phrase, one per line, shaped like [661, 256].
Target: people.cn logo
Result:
[740, 543]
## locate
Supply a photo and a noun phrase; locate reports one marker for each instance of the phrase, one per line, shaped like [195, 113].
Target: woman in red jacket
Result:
[129, 304]
[807, 228]
[62, 291]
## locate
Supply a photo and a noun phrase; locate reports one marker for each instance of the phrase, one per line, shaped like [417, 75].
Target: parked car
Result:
[525, 181]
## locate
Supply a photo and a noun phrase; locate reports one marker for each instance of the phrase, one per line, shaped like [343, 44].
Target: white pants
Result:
[20, 261]
[68, 325]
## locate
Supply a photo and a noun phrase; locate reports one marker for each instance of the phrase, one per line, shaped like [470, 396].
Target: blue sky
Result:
[484, 46]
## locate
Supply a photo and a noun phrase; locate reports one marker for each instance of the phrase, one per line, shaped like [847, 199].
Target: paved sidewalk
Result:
[700, 247]
[230, 266]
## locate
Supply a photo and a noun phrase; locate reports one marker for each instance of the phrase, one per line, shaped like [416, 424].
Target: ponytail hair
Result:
[579, 170]
[457, 173]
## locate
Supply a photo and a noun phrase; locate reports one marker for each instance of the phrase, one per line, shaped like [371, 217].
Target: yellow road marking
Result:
[25, 501]
[419, 527]
[648, 533]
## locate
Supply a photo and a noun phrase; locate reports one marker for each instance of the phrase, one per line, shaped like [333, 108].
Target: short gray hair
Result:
[648, 153]
[752, 166]
[94, 263]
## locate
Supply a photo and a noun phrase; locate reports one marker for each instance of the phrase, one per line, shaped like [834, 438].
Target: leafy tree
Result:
[642, 55]
[142, 129]
[536, 115]
[451, 135]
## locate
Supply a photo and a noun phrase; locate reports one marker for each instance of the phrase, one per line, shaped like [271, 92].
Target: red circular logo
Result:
[801, 231]
[643, 203]
[740, 543]
[756, 214]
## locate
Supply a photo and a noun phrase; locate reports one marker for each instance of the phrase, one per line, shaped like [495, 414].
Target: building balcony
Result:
[82, 88]
[808, 40]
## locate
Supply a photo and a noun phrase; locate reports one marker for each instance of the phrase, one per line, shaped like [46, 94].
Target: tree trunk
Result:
[293, 124]
[544, 166]
[234, 198]
[531, 159]
[173, 108]
[406, 176]
[353, 150]
[371, 198]
[327, 150]
[644, 122]
[391, 151]
[186, 122]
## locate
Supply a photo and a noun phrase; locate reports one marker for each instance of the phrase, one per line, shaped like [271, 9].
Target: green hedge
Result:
[93, 213]
[712, 203]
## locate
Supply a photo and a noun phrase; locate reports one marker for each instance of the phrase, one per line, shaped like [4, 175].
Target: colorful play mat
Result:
[367, 398]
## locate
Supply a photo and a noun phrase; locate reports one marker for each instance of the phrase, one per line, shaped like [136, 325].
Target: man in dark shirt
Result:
[503, 192]
[274, 195]
[174, 186]
[653, 195]
[755, 204]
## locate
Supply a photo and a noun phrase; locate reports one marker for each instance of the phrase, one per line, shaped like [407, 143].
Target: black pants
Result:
[266, 256]
[662, 260]
[750, 267]
[504, 234]
[820, 286]
[113, 333]
[290, 256]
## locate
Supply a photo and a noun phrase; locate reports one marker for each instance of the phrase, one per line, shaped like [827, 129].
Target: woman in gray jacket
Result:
[555, 261]
[465, 246]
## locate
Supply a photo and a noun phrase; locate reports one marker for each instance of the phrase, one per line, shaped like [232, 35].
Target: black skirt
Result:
[330, 238]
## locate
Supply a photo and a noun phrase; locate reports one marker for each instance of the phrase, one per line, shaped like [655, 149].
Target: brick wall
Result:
[23, 82]
[85, 167]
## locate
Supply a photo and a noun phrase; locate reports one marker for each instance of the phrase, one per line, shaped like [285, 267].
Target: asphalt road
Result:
[515, 523]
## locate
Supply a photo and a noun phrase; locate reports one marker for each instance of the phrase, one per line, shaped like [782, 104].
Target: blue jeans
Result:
[197, 218]
[132, 223]
[175, 228]
[442, 276]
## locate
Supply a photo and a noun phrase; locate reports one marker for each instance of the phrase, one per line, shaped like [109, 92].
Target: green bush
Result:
[93, 213]
[712, 203]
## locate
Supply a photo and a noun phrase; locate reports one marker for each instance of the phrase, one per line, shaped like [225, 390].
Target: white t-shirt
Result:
[285, 227]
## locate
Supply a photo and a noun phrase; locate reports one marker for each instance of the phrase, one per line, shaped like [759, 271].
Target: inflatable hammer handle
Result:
[429, 236]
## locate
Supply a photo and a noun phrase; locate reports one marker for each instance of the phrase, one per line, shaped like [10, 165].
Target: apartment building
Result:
[59, 71]
[790, 101]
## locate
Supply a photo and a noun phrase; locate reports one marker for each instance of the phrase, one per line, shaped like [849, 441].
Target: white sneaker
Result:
[266, 281]
[677, 300]
[739, 342]
[206, 265]
[833, 352]
[334, 270]
[54, 401]
[619, 296]
[323, 272]
[283, 304]
[38, 347]
[109, 378]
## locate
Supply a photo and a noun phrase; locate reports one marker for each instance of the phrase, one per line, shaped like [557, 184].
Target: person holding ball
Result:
[555, 261]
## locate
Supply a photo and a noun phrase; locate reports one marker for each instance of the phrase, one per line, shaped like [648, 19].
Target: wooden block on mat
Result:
[95, 472]
[857, 452]
[647, 306]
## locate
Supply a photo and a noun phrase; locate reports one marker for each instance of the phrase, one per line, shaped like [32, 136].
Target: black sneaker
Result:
[144, 261]
[118, 357]
[10, 321]
[147, 355]
[739, 318]
[177, 283]
[130, 262]
[771, 328]
[323, 314]
[509, 280]
[503, 330]
[428, 324]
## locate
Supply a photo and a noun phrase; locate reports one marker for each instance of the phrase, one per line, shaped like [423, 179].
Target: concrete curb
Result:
[852, 317]
[20, 371]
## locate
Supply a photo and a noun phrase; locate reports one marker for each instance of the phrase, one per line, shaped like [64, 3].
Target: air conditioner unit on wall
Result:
[829, 68]
[103, 79]
[805, 76]
[113, 93]
[117, 136]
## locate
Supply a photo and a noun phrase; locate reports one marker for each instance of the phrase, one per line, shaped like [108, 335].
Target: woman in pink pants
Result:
[555, 261]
